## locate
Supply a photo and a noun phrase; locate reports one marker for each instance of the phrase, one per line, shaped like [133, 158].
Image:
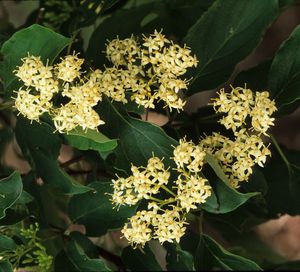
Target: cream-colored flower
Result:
[69, 68]
[189, 156]
[72, 115]
[192, 190]
[29, 69]
[169, 226]
[138, 231]
[30, 106]
[123, 52]
[261, 113]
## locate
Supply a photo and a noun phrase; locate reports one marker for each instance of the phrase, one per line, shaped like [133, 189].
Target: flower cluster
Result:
[165, 219]
[238, 156]
[143, 183]
[241, 103]
[149, 70]
[42, 82]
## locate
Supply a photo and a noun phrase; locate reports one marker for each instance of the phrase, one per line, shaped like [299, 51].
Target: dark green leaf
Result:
[255, 78]
[10, 191]
[6, 135]
[210, 255]
[36, 40]
[178, 259]
[25, 198]
[256, 183]
[39, 142]
[224, 198]
[85, 243]
[225, 35]
[284, 77]
[5, 266]
[283, 4]
[138, 139]
[13, 216]
[95, 211]
[75, 259]
[6, 243]
[91, 139]
[217, 168]
[283, 183]
[140, 259]
[91, 9]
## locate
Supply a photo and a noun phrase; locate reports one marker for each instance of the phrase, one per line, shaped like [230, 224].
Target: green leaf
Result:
[217, 168]
[90, 140]
[85, 243]
[138, 139]
[6, 243]
[210, 255]
[95, 211]
[36, 40]
[255, 78]
[5, 266]
[140, 259]
[284, 77]
[283, 183]
[25, 198]
[225, 35]
[10, 191]
[13, 216]
[178, 259]
[41, 145]
[224, 198]
[75, 259]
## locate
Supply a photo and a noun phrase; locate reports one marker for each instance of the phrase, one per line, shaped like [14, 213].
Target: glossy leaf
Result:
[210, 255]
[36, 40]
[225, 35]
[5, 266]
[95, 211]
[178, 259]
[255, 78]
[25, 198]
[75, 259]
[90, 140]
[139, 140]
[140, 259]
[284, 77]
[224, 198]
[10, 191]
[283, 183]
[39, 143]
[6, 243]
